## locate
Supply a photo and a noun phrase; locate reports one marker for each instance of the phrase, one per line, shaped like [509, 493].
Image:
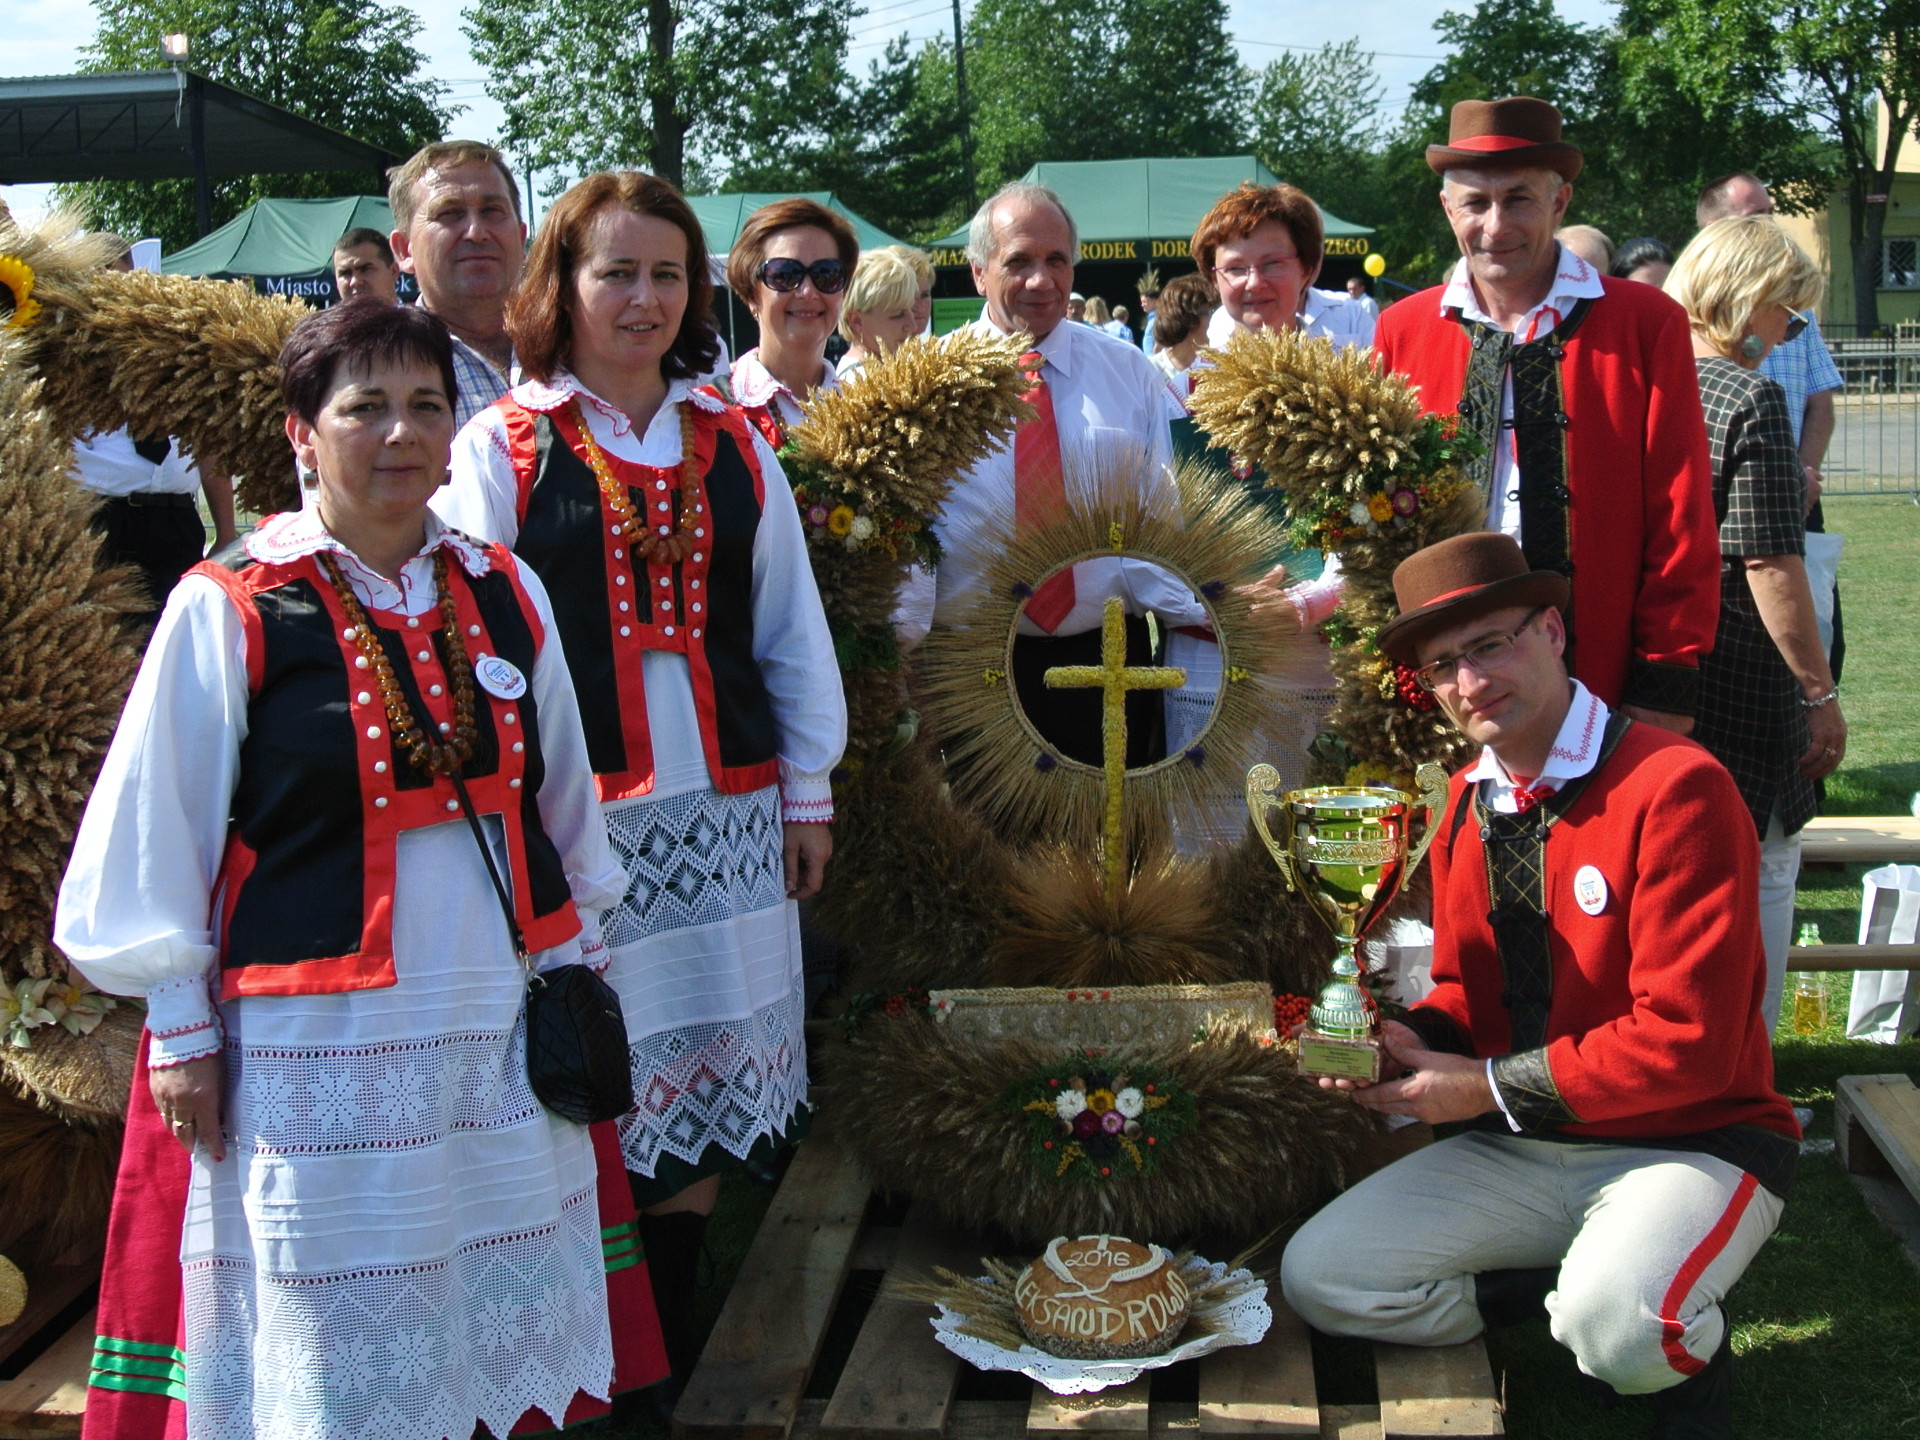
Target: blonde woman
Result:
[880, 309]
[1768, 708]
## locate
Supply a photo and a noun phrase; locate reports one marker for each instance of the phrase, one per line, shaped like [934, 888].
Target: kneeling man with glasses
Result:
[1595, 1023]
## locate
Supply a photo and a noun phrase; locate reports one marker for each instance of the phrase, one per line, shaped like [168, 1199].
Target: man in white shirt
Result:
[1366, 309]
[1111, 410]
[146, 511]
[459, 233]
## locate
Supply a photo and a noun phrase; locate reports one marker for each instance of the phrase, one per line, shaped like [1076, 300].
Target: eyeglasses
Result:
[1241, 276]
[1796, 325]
[1485, 656]
[829, 276]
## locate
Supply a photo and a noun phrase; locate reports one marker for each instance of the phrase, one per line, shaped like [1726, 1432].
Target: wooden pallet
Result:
[46, 1400]
[899, 1384]
[1876, 1127]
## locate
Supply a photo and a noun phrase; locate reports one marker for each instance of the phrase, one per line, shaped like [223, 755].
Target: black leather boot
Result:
[1512, 1297]
[1700, 1407]
[673, 1244]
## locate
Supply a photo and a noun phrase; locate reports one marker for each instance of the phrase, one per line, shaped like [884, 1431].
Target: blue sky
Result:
[44, 39]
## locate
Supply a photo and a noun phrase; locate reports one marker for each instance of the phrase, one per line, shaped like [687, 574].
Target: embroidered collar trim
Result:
[1573, 280]
[544, 396]
[754, 384]
[295, 534]
[1575, 751]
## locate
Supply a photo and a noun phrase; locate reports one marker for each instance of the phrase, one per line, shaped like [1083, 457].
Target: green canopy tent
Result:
[285, 247]
[1133, 214]
[1146, 210]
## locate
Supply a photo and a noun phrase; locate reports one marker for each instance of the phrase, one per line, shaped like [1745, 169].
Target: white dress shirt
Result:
[1112, 408]
[1324, 315]
[106, 463]
[1574, 280]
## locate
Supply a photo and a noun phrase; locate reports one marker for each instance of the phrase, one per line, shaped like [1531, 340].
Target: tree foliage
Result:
[890, 148]
[1100, 80]
[680, 88]
[1832, 66]
[1318, 121]
[352, 66]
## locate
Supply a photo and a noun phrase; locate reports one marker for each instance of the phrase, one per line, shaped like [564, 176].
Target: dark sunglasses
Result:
[1796, 325]
[829, 276]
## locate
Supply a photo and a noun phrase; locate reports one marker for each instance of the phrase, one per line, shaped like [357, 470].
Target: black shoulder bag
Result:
[576, 1035]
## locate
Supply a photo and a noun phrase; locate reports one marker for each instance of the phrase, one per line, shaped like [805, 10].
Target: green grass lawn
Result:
[1827, 1320]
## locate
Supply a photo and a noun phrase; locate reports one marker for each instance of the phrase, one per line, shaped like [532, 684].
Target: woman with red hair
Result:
[667, 535]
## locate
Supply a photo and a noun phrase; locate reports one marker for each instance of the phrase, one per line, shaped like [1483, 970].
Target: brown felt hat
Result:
[1518, 132]
[1457, 579]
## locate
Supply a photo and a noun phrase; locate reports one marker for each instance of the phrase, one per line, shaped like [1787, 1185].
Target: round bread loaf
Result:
[1099, 1297]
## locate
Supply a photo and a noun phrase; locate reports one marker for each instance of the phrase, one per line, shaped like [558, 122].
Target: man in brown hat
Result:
[1583, 390]
[1595, 1021]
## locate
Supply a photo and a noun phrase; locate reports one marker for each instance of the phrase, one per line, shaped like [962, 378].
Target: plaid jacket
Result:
[1750, 714]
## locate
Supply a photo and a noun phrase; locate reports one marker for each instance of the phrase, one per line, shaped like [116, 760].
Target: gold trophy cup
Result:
[1346, 848]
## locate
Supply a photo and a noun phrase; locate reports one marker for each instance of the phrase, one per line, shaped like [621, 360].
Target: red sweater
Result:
[1654, 1028]
[1645, 547]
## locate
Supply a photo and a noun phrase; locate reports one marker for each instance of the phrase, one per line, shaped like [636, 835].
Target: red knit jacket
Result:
[1645, 547]
[1654, 1028]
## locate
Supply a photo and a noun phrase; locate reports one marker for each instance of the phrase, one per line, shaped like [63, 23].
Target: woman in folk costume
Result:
[1768, 707]
[790, 265]
[668, 537]
[341, 1210]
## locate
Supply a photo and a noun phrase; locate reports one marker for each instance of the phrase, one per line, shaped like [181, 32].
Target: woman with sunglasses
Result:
[1768, 708]
[790, 266]
[668, 538]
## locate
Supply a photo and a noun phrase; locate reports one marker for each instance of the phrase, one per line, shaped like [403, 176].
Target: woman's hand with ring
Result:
[188, 1099]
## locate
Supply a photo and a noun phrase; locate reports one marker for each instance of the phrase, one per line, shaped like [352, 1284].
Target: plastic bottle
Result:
[1809, 994]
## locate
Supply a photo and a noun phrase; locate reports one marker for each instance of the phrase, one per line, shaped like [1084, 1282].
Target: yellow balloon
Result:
[1375, 265]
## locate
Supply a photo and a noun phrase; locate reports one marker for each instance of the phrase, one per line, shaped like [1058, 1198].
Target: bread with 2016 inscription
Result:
[1100, 1297]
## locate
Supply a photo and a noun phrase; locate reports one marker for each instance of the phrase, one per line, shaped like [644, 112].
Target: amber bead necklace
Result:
[426, 754]
[660, 545]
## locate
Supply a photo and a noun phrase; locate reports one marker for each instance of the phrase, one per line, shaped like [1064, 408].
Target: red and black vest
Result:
[324, 791]
[612, 607]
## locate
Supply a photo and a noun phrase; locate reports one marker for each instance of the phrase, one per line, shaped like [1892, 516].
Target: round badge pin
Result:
[500, 678]
[1590, 889]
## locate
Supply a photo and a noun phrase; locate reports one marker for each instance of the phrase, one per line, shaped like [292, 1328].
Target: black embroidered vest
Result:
[324, 791]
[611, 608]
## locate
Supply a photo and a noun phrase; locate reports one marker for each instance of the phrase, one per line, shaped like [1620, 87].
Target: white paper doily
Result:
[1242, 1320]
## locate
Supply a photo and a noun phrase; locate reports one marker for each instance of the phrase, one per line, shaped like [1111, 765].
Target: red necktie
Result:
[1040, 490]
[1525, 797]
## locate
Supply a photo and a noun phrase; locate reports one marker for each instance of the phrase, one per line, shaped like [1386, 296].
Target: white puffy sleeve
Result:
[569, 805]
[795, 652]
[135, 911]
[482, 493]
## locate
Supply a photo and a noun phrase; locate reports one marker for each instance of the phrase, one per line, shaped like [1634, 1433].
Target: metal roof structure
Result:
[161, 124]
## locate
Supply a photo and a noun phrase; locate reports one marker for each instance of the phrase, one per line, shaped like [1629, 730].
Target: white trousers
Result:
[1779, 875]
[1647, 1241]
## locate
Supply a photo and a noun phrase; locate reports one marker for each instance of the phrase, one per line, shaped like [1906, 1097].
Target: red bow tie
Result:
[1525, 797]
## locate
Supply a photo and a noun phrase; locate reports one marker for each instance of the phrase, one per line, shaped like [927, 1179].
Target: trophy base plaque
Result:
[1340, 1058]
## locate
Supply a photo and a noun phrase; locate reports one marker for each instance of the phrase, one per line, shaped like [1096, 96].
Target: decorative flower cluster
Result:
[834, 515]
[1086, 1122]
[47, 1001]
[16, 279]
[1338, 514]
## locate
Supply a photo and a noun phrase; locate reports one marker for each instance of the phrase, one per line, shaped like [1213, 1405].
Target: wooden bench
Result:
[1876, 1127]
[1858, 840]
[898, 1383]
